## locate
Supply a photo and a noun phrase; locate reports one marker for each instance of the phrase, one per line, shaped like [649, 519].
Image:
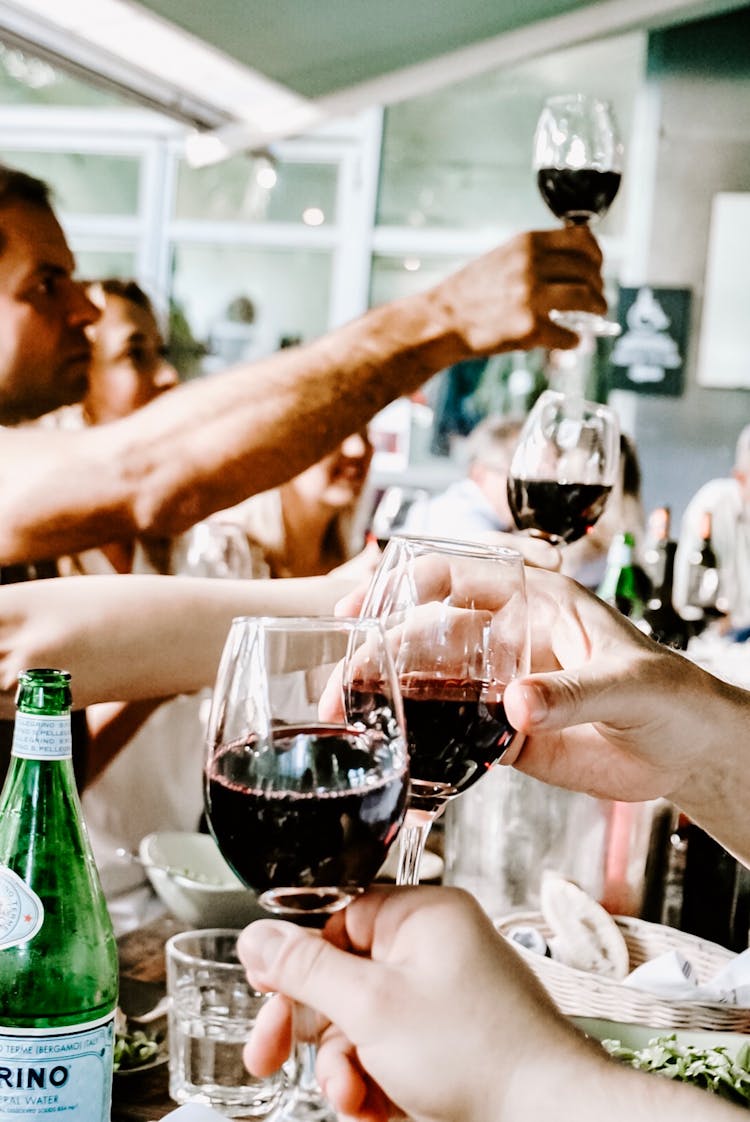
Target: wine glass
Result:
[213, 548]
[456, 615]
[563, 467]
[396, 504]
[306, 777]
[578, 164]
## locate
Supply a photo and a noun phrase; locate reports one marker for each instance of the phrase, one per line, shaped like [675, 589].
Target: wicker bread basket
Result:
[580, 994]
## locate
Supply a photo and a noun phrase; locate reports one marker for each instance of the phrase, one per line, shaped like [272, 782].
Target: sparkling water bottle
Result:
[58, 957]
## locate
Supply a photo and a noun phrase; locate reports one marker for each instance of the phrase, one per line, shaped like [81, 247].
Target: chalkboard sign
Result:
[649, 356]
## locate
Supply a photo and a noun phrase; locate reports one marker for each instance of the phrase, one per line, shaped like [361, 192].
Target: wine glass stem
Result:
[412, 840]
[306, 1103]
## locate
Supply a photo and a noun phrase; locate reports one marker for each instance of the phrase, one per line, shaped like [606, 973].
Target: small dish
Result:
[193, 880]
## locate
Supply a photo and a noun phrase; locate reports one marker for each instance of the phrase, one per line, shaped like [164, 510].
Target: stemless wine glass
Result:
[563, 467]
[455, 613]
[578, 164]
[306, 776]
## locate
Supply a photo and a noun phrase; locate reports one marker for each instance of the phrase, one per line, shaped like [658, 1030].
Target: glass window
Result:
[93, 264]
[241, 303]
[84, 183]
[392, 277]
[255, 189]
[461, 157]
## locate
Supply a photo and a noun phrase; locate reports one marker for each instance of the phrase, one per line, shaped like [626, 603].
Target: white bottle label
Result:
[42, 737]
[65, 1071]
[21, 910]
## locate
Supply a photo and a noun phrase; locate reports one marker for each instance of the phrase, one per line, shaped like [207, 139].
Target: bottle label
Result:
[21, 911]
[65, 1071]
[42, 737]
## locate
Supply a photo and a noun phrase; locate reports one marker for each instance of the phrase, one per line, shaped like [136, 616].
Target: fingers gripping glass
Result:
[456, 617]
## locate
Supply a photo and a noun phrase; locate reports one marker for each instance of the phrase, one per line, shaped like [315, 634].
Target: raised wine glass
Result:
[306, 778]
[563, 467]
[456, 615]
[578, 164]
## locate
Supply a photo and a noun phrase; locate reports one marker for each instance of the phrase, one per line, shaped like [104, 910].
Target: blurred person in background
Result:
[313, 524]
[727, 501]
[477, 504]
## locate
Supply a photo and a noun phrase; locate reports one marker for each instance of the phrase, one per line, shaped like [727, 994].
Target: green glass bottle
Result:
[620, 585]
[58, 957]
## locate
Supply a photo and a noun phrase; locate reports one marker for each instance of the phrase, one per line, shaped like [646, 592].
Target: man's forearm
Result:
[211, 443]
[215, 441]
[717, 794]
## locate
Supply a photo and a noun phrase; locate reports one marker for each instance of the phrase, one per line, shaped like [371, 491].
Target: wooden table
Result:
[144, 1096]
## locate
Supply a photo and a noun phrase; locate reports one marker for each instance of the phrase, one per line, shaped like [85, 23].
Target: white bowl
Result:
[193, 880]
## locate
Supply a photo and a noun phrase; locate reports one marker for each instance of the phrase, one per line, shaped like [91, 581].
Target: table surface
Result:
[144, 1096]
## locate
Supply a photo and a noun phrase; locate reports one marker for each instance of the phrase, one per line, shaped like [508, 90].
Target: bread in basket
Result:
[581, 994]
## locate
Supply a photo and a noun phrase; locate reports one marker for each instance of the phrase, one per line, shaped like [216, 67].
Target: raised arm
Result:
[217, 440]
[129, 637]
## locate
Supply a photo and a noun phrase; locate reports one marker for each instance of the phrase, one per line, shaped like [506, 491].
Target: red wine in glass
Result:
[318, 830]
[560, 512]
[563, 467]
[456, 730]
[578, 165]
[578, 195]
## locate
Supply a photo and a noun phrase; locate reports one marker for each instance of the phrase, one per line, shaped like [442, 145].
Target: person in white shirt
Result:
[477, 504]
[728, 503]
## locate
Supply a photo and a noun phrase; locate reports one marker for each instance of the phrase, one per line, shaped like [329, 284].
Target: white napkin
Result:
[672, 976]
[194, 1112]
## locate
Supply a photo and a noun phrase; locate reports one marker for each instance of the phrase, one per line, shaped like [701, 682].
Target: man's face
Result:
[128, 368]
[44, 351]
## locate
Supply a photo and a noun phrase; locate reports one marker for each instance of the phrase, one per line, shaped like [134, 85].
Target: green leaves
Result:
[134, 1049]
[714, 1069]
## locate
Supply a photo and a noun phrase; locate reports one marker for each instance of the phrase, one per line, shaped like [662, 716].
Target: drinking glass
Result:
[212, 1010]
[578, 164]
[563, 467]
[306, 776]
[456, 615]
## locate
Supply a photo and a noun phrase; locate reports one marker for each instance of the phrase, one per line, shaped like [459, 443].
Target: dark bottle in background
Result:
[703, 601]
[662, 620]
[710, 889]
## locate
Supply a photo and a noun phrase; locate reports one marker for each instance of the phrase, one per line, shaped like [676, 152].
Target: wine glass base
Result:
[586, 323]
[298, 1107]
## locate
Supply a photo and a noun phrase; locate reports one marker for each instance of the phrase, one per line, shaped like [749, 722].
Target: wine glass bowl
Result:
[305, 780]
[563, 467]
[577, 158]
[455, 613]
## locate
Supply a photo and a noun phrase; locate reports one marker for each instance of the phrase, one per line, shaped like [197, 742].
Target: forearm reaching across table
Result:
[129, 637]
[214, 441]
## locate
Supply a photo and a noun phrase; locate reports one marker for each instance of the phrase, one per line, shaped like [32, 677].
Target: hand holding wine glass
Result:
[455, 614]
[304, 799]
[563, 467]
[578, 164]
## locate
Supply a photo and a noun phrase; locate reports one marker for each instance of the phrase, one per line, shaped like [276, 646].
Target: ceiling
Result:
[256, 70]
